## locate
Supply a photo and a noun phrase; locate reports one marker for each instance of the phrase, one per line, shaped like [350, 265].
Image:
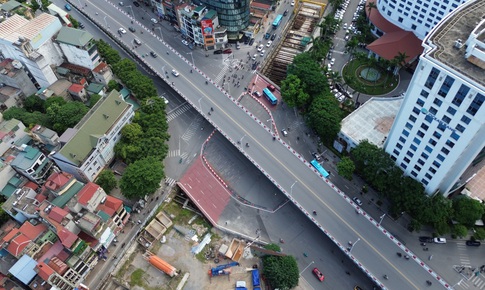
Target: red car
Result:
[271, 88]
[318, 274]
[227, 51]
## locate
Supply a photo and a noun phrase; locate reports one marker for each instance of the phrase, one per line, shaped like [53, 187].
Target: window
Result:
[437, 102]
[444, 150]
[442, 126]
[446, 119]
[428, 176]
[440, 157]
[413, 27]
[416, 140]
[455, 136]
[437, 135]
[412, 118]
[410, 154]
[420, 161]
[399, 145]
[450, 143]
[424, 155]
[465, 120]
[404, 166]
[395, 152]
[420, 102]
[428, 118]
[417, 168]
[413, 173]
[420, 134]
[433, 75]
[476, 104]
[405, 133]
[433, 110]
[424, 126]
[409, 125]
[389, 12]
[451, 110]
[394, 158]
[432, 170]
[424, 181]
[400, 19]
[413, 147]
[402, 139]
[416, 111]
[424, 93]
[460, 95]
[437, 164]
[406, 160]
[460, 128]
[432, 142]
[428, 149]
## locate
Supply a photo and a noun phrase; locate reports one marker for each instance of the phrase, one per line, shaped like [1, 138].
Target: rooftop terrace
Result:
[458, 25]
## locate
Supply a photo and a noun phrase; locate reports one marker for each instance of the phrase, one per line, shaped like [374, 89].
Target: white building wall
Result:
[77, 56]
[417, 143]
[419, 16]
[50, 52]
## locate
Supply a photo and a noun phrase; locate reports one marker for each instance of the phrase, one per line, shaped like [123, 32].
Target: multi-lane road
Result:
[372, 248]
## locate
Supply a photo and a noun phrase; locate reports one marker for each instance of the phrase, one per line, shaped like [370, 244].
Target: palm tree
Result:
[352, 45]
[399, 61]
[335, 77]
[370, 6]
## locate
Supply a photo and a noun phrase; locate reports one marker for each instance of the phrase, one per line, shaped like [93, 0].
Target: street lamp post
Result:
[106, 22]
[160, 30]
[240, 140]
[193, 63]
[291, 187]
[382, 217]
[352, 245]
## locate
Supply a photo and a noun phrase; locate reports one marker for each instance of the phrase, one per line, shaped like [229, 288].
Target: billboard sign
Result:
[207, 27]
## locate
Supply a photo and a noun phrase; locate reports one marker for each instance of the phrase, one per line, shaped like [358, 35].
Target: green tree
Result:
[4, 217]
[34, 103]
[54, 100]
[29, 119]
[293, 92]
[141, 178]
[129, 153]
[113, 85]
[460, 231]
[370, 6]
[93, 99]
[399, 61]
[346, 167]
[66, 116]
[107, 180]
[467, 211]
[74, 21]
[324, 116]
[281, 272]
[479, 234]
[438, 212]
[131, 133]
[110, 55]
[310, 73]
[273, 247]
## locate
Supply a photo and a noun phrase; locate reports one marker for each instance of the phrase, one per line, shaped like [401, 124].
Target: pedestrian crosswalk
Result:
[170, 181]
[174, 153]
[475, 282]
[178, 111]
[194, 126]
[229, 64]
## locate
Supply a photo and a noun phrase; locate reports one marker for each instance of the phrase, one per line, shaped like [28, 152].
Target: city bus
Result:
[269, 96]
[319, 168]
[277, 21]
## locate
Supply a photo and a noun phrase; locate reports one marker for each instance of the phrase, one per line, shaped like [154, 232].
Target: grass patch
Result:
[137, 277]
[121, 273]
[351, 75]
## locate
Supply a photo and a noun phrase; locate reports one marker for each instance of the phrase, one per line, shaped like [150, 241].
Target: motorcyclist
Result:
[314, 212]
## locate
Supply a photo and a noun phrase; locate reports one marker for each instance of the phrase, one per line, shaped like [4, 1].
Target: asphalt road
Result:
[373, 249]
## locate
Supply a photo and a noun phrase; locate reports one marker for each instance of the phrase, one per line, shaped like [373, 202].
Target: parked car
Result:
[357, 200]
[260, 47]
[175, 73]
[153, 54]
[292, 3]
[227, 51]
[137, 42]
[257, 94]
[68, 7]
[122, 30]
[284, 132]
[132, 29]
[424, 239]
[273, 37]
[317, 272]
[81, 25]
[219, 51]
[121, 3]
[332, 61]
[164, 100]
[269, 43]
[271, 88]
[185, 42]
[267, 35]
[136, 4]
[473, 243]
[251, 41]
[154, 21]
[285, 13]
[439, 240]
[262, 52]
[238, 46]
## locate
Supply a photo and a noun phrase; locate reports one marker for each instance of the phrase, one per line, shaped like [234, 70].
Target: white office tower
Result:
[439, 130]
[419, 16]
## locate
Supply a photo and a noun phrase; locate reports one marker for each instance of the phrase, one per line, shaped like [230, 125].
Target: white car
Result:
[185, 42]
[164, 100]
[260, 47]
[357, 200]
[292, 3]
[332, 61]
[122, 30]
[262, 52]
[439, 240]
[175, 73]
[269, 43]
[254, 57]
[154, 21]
[284, 132]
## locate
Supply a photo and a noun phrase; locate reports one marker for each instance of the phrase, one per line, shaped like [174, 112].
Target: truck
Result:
[241, 285]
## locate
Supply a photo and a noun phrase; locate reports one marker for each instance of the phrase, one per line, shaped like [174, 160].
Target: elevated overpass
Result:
[374, 248]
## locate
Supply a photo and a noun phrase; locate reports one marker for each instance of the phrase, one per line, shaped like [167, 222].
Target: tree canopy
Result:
[141, 178]
[66, 116]
[293, 92]
[467, 211]
[107, 180]
[281, 272]
[346, 167]
[324, 116]
[310, 73]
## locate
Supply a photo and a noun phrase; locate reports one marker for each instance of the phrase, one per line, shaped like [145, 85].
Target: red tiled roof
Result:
[255, 4]
[31, 185]
[12, 234]
[57, 214]
[390, 44]
[58, 265]
[113, 203]
[76, 88]
[44, 271]
[18, 244]
[57, 180]
[31, 231]
[87, 192]
[378, 20]
[100, 67]
[107, 210]
[67, 237]
[40, 197]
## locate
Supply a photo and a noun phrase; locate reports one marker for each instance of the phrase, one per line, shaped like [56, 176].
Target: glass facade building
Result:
[232, 14]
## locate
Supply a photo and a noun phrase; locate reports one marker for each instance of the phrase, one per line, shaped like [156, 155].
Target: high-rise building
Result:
[439, 131]
[419, 16]
[233, 15]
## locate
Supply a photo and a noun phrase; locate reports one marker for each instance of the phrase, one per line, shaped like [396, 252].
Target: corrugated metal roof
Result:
[73, 36]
